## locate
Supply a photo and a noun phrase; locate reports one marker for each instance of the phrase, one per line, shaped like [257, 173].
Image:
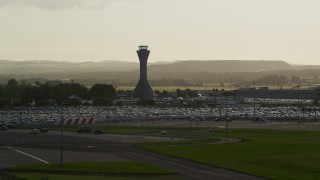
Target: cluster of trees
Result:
[170, 82]
[23, 94]
[284, 77]
[278, 80]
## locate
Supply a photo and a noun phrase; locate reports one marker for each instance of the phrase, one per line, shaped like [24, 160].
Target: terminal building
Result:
[264, 92]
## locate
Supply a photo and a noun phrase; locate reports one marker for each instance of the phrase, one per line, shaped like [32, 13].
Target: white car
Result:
[34, 131]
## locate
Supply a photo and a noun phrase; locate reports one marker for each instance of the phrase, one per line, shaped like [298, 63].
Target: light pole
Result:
[299, 105]
[254, 101]
[226, 118]
[20, 109]
[107, 117]
[61, 136]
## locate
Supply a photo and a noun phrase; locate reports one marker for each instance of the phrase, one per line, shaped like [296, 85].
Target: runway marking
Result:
[34, 157]
[207, 172]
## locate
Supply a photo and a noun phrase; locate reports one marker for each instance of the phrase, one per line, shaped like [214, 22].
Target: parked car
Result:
[34, 131]
[84, 129]
[163, 132]
[98, 131]
[43, 130]
[12, 126]
[3, 127]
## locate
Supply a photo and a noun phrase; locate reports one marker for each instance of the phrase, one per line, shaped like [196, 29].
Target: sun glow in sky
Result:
[96, 30]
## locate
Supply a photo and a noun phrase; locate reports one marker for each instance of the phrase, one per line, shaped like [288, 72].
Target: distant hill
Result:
[221, 66]
[166, 73]
[303, 67]
[48, 67]
[130, 70]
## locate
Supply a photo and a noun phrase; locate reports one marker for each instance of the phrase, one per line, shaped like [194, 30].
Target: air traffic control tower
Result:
[143, 89]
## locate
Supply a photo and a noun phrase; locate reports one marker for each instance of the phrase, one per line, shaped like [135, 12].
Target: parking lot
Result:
[47, 116]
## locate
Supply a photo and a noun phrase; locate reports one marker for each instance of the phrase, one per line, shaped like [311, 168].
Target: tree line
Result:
[14, 94]
[130, 78]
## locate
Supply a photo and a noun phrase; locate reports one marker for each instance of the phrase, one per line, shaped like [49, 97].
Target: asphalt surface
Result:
[293, 125]
[19, 147]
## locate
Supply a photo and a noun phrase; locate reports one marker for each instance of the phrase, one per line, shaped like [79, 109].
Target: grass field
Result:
[275, 154]
[208, 87]
[174, 88]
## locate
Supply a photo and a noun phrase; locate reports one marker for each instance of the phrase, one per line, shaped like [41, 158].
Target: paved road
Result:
[234, 124]
[44, 148]
[11, 156]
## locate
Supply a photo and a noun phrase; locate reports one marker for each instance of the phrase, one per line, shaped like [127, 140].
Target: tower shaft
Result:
[143, 58]
[143, 89]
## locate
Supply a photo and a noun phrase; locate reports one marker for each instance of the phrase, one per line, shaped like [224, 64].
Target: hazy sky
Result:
[83, 30]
